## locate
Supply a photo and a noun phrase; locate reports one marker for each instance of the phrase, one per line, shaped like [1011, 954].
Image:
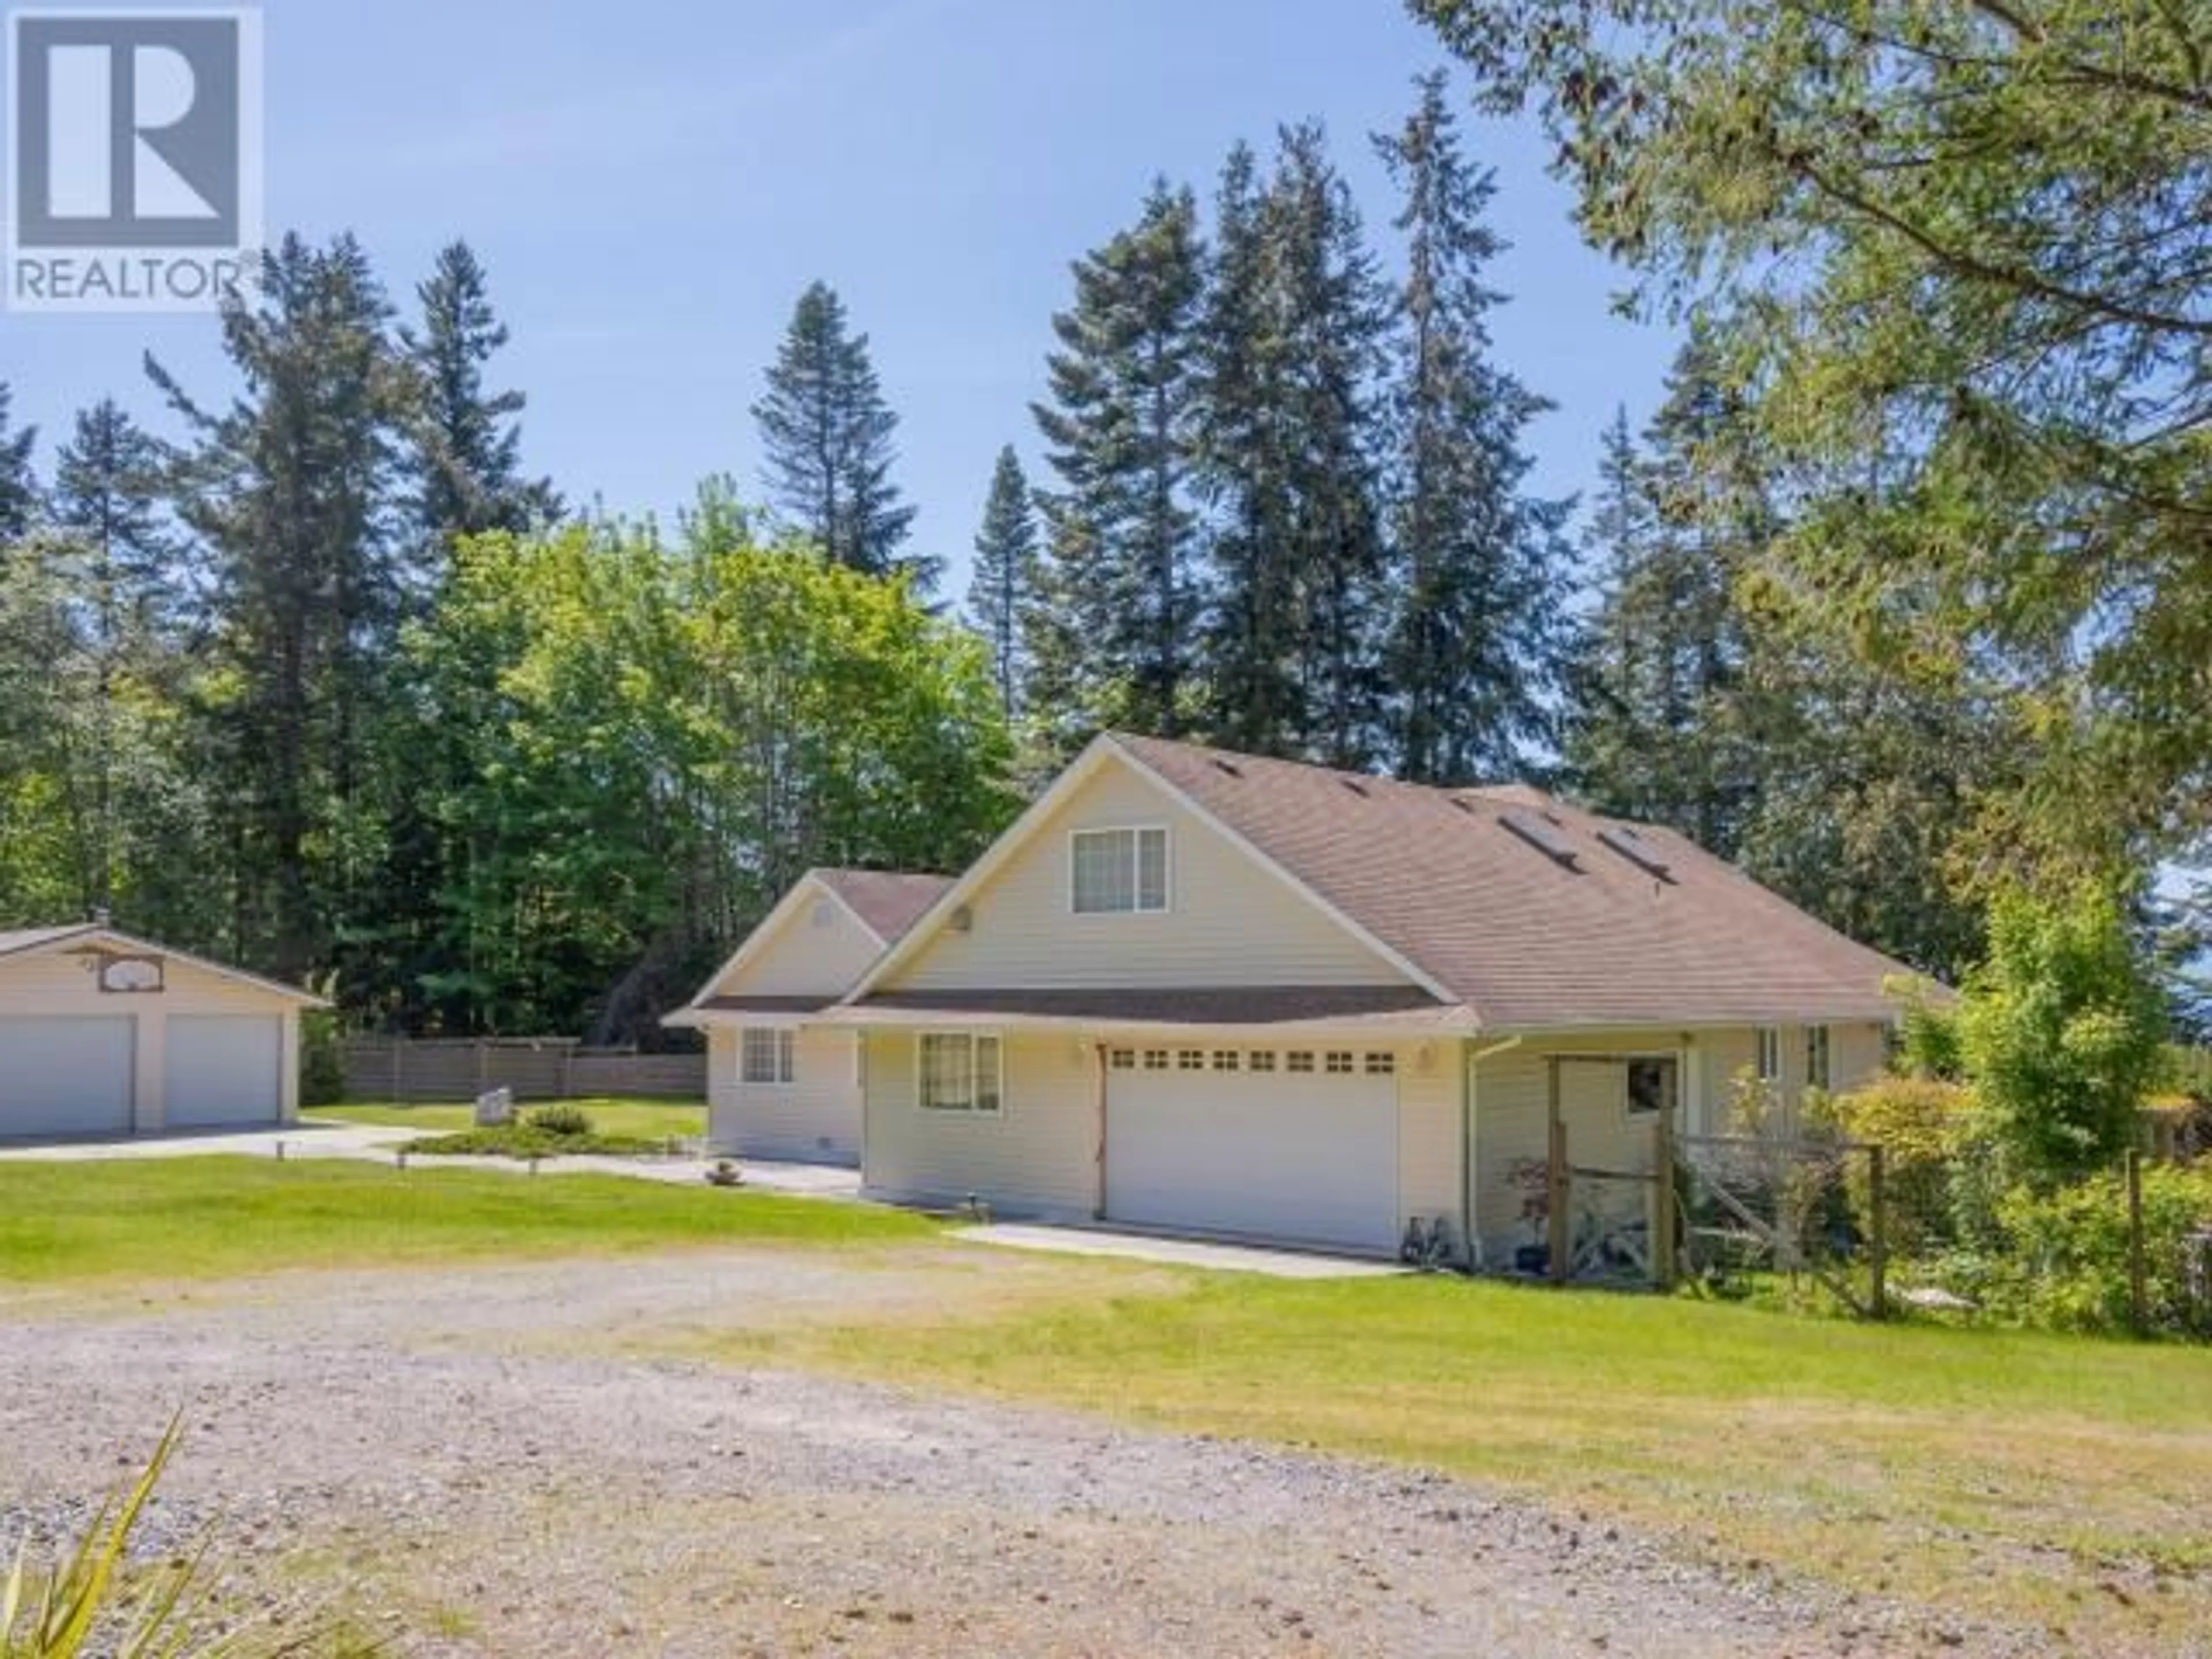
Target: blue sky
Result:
[651, 185]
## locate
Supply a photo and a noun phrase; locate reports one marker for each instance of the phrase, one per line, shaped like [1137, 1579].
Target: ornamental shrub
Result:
[561, 1120]
[2061, 1033]
[1921, 1124]
[2063, 1258]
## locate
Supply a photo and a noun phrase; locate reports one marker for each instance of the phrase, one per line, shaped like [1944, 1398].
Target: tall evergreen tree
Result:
[109, 485]
[828, 435]
[18, 483]
[293, 487]
[1254, 618]
[1606, 743]
[467, 445]
[106, 503]
[1293, 339]
[1656, 729]
[1003, 589]
[1476, 636]
[1119, 523]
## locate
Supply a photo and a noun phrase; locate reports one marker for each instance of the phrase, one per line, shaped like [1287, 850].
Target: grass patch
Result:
[198, 1218]
[2033, 1478]
[645, 1120]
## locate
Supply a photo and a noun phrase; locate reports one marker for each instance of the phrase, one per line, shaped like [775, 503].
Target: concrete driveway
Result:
[1178, 1252]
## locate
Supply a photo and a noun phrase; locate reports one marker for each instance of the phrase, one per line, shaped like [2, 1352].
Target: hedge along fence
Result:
[535, 1068]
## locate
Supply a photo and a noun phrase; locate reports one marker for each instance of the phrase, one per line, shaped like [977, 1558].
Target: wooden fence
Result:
[543, 1068]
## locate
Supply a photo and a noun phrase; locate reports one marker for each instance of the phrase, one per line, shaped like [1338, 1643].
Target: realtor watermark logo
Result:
[134, 158]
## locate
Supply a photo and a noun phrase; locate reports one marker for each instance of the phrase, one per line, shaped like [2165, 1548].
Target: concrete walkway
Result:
[380, 1144]
[300, 1140]
[1179, 1252]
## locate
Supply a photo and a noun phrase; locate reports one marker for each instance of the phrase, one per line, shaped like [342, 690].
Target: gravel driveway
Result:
[470, 1461]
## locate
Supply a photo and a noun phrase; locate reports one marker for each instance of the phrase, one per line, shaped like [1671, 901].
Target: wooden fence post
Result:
[1878, 1245]
[2138, 1290]
[1662, 1201]
[1559, 1235]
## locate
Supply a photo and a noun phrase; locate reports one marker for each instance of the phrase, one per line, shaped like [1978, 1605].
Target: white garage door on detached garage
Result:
[225, 1071]
[105, 1034]
[65, 1077]
[1299, 1145]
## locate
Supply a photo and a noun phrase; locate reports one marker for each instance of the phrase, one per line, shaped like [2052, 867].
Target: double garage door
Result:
[1296, 1145]
[62, 1076]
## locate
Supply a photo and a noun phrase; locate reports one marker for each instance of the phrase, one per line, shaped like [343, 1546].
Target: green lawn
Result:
[651, 1119]
[186, 1218]
[2054, 1481]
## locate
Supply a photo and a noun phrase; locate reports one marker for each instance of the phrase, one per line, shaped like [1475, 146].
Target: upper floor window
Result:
[1770, 1053]
[1119, 871]
[765, 1055]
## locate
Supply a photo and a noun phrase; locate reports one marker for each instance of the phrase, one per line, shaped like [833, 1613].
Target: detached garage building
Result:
[103, 1034]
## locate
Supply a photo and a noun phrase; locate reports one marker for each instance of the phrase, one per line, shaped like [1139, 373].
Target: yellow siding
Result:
[1038, 1156]
[1428, 1132]
[1857, 1054]
[1511, 1111]
[816, 1118]
[1041, 1156]
[58, 982]
[818, 947]
[1230, 921]
[1512, 1117]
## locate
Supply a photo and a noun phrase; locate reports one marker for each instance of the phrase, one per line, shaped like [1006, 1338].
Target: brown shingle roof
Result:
[764, 1004]
[1527, 942]
[888, 900]
[1384, 1008]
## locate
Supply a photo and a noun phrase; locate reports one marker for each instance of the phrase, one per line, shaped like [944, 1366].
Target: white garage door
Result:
[65, 1076]
[1297, 1144]
[224, 1070]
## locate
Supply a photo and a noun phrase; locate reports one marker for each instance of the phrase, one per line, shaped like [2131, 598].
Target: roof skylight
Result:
[1540, 835]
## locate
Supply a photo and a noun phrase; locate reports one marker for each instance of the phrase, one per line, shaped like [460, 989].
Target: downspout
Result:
[1468, 1127]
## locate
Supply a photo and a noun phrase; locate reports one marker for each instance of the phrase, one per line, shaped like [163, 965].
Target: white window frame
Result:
[1819, 1056]
[974, 1106]
[1766, 1062]
[782, 1057]
[1136, 833]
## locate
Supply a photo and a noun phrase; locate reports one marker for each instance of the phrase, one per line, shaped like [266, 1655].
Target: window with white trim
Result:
[1770, 1053]
[1380, 1062]
[1818, 1067]
[1118, 872]
[959, 1072]
[1339, 1063]
[1226, 1059]
[1260, 1059]
[1299, 1060]
[1190, 1060]
[1124, 1060]
[764, 1054]
[1156, 1059]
